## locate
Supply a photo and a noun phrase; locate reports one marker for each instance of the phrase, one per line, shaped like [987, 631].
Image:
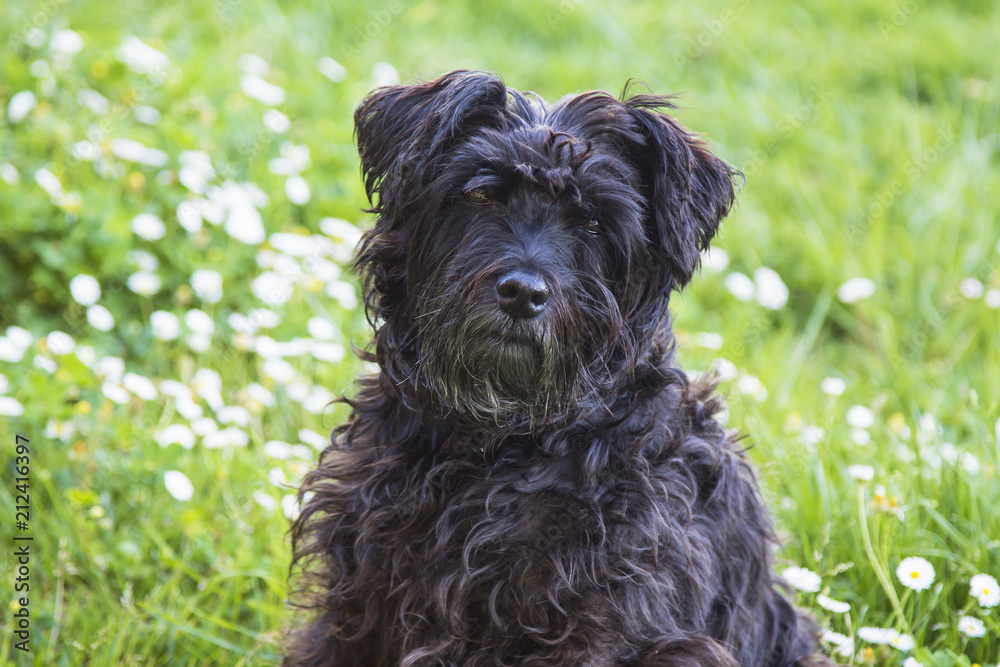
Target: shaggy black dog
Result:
[529, 479]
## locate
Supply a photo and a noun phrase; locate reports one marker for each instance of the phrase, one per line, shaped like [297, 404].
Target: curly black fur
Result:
[549, 490]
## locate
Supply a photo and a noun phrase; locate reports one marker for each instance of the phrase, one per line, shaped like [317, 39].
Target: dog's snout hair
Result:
[529, 478]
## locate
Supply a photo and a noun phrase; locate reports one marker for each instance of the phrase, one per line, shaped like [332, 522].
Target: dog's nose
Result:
[522, 294]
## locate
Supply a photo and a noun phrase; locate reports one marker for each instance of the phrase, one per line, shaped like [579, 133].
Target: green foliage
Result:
[868, 133]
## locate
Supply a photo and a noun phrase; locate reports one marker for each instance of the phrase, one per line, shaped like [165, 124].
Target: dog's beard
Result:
[487, 369]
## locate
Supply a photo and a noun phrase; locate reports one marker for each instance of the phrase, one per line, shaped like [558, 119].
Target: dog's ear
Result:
[402, 129]
[688, 190]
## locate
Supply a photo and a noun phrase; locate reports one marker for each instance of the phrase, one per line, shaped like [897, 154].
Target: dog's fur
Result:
[546, 490]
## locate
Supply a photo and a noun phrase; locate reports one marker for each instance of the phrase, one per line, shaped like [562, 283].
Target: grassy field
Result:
[868, 133]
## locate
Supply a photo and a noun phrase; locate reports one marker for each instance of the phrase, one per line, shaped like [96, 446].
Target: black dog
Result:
[530, 479]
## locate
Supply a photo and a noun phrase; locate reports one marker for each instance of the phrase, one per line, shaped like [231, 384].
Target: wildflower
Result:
[971, 288]
[233, 414]
[100, 318]
[59, 343]
[277, 449]
[165, 325]
[842, 644]
[265, 500]
[343, 292]
[740, 286]
[297, 189]
[344, 235]
[861, 473]
[902, 642]
[313, 439]
[860, 417]
[20, 105]
[146, 114]
[140, 386]
[855, 290]
[261, 90]
[992, 299]
[144, 283]
[9, 173]
[331, 69]
[142, 58]
[915, 573]
[85, 290]
[202, 426]
[971, 627]
[144, 260]
[802, 579]
[836, 606]
[832, 386]
[44, 363]
[276, 122]
[279, 370]
[714, 260]
[332, 352]
[148, 226]
[135, 151]
[62, 430]
[322, 328]
[178, 485]
[384, 74]
[260, 395]
[178, 434]
[771, 291]
[985, 589]
[912, 662]
[10, 407]
[207, 285]
[199, 322]
[877, 635]
[290, 507]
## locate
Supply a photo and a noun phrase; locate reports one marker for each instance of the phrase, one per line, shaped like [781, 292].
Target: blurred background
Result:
[179, 198]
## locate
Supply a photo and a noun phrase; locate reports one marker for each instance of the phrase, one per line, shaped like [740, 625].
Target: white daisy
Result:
[860, 472]
[146, 114]
[842, 644]
[178, 485]
[384, 74]
[855, 290]
[176, 434]
[771, 291]
[148, 226]
[297, 189]
[290, 507]
[10, 407]
[144, 283]
[141, 57]
[144, 260]
[915, 573]
[44, 363]
[902, 642]
[276, 122]
[331, 69]
[344, 293]
[199, 322]
[322, 328]
[9, 173]
[265, 500]
[202, 426]
[971, 627]
[260, 394]
[344, 236]
[877, 635]
[313, 439]
[63, 430]
[860, 417]
[714, 260]
[836, 606]
[60, 343]
[261, 90]
[992, 298]
[20, 105]
[251, 63]
[85, 289]
[277, 449]
[912, 662]
[832, 386]
[233, 414]
[279, 370]
[272, 288]
[140, 386]
[4, 384]
[971, 288]
[136, 151]
[802, 579]
[985, 589]
[332, 352]
[100, 318]
[740, 286]
[207, 285]
[165, 325]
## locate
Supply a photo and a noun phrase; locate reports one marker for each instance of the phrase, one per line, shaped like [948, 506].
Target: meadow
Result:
[180, 195]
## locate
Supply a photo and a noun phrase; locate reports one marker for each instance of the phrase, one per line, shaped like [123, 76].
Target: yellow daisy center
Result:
[915, 574]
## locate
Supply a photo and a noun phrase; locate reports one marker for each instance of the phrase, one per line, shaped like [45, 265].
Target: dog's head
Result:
[523, 254]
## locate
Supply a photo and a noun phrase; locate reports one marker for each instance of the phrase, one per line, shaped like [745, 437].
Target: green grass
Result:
[868, 132]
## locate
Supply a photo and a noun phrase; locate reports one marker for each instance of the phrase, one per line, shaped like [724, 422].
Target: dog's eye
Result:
[592, 227]
[478, 196]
